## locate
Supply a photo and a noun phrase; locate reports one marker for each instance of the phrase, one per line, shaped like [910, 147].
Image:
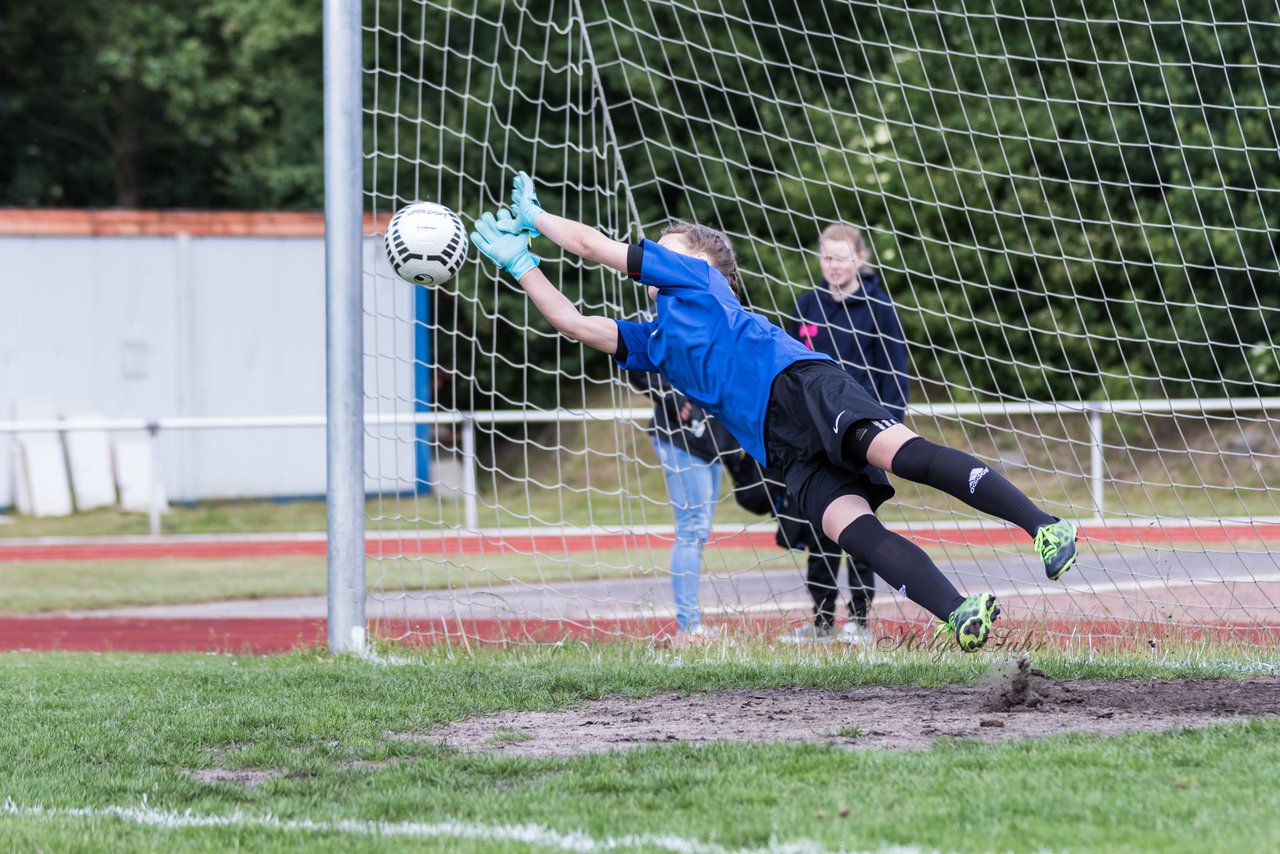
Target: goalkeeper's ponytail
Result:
[718, 249]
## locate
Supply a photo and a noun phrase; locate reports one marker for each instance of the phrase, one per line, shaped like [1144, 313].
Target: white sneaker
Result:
[808, 634]
[854, 634]
[701, 636]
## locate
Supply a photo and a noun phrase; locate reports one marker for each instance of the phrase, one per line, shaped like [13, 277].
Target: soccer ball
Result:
[426, 243]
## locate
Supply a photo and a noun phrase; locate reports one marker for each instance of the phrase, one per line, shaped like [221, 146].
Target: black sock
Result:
[965, 477]
[901, 563]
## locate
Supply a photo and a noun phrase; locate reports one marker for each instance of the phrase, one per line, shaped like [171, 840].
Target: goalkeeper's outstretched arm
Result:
[582, 240]
[510, 250]
[592, 330]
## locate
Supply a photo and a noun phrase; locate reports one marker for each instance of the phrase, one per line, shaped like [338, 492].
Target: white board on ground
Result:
[136, 475]
[40, 465]
[21, 500]
[89, 458]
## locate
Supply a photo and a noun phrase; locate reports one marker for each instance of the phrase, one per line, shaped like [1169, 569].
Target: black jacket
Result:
[700, 434]
[862, 333]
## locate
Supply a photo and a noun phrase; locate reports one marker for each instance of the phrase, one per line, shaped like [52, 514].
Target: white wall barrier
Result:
[1092, 411]
[193, 324]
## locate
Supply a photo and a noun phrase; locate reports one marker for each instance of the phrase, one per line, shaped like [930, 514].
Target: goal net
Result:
[1073, 213]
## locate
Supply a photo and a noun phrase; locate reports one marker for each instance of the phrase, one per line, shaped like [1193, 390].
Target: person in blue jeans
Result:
[688, 443]
[851, 318]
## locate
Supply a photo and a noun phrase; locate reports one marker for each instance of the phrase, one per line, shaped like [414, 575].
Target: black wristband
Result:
[635, 258]
[621, 353]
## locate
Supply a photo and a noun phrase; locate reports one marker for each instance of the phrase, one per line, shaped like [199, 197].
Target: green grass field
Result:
[102, 752]
[48, 586]
[518, 508]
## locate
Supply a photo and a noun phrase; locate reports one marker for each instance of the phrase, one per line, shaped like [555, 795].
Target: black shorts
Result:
[812, 404]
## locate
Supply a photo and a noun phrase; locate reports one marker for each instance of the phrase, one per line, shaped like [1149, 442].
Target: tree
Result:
[164, 103]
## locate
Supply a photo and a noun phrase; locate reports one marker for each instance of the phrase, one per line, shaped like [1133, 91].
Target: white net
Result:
[1073, 211]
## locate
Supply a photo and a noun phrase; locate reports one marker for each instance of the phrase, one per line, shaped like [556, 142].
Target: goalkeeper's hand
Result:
[525, 206]
[505, 245]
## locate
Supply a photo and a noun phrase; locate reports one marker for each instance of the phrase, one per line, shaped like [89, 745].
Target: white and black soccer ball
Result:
[426, 243]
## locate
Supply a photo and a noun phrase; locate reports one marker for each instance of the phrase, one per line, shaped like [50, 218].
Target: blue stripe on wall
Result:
[422, 384]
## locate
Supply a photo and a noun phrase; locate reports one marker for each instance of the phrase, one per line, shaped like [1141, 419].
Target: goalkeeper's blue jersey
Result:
[715, 352]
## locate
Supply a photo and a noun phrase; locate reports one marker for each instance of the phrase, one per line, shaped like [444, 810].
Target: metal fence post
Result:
[153, 509]
[1096, 485]
[344, 322]
[471, 517]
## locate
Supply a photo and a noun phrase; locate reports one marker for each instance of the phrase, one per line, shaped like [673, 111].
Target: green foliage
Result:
[1062, 209]
[207, 104]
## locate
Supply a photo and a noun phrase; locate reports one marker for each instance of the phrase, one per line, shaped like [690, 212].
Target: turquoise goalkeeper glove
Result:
[506, 248]
[525, 206]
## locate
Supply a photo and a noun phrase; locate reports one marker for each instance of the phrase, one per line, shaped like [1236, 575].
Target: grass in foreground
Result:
[89, 730]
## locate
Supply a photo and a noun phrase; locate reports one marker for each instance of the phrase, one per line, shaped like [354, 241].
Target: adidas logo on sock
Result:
[975, 476]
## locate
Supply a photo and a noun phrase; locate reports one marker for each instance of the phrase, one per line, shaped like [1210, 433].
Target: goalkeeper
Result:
[790, 407]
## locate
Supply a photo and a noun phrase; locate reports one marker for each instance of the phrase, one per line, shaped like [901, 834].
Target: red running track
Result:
[260, 636]
[1166, 533]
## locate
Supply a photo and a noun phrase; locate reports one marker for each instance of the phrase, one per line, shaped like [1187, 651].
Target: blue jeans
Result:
[694, 486]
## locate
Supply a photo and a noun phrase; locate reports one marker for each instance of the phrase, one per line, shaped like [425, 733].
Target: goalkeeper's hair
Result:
[717, 247]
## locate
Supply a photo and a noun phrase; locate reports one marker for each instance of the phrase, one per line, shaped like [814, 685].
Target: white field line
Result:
[527, 834]
[779, 604]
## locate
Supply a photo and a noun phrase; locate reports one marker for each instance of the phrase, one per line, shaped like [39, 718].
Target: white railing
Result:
[1092, 410]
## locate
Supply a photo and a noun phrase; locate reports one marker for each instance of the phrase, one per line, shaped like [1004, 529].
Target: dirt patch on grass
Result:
[248, 777]
[1017, 702]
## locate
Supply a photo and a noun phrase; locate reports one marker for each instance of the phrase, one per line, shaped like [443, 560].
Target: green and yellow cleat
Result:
[971, 622]
[1057, 545]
